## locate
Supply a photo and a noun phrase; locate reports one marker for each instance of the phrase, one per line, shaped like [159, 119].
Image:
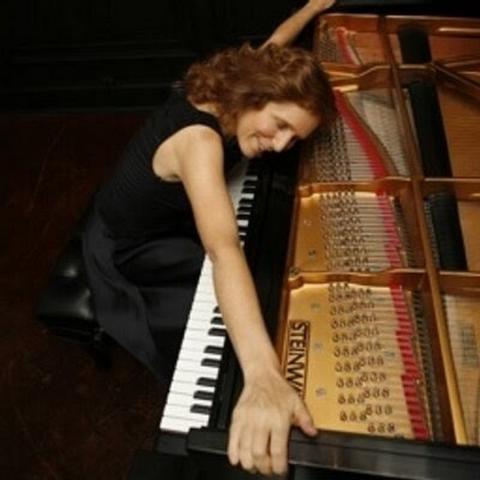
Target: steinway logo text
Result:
[297, 353]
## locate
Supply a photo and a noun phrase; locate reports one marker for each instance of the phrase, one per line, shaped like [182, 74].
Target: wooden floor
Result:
[60, 417]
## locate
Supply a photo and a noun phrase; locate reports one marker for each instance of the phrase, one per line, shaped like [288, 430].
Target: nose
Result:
[281, 141]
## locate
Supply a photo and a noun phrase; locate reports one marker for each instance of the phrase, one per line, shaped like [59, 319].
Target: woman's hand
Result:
[261, 422]
[320, 5]
[288, 30]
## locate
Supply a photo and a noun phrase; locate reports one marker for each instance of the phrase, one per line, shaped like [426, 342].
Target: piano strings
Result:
[350, 231]
[363, 144]
[339, 44]
[464, 335]
[445, 231]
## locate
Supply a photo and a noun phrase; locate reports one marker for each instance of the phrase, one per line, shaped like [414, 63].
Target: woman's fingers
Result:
[260, 449]
[261, 423]
[321, 5]
[279, 449]
[259, 446]
[234, 442]
[303, 419]
[245, 449]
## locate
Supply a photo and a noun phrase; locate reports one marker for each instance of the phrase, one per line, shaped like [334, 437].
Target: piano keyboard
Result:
[193, 384]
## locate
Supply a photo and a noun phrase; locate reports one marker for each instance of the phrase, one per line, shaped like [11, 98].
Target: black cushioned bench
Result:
[65, 306]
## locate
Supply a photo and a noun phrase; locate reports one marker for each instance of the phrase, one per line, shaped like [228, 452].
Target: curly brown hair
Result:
[240, 79]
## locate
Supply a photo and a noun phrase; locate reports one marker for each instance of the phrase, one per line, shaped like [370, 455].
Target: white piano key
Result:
[205, 318]
[208, 339]
[196, 346]
[242, 223]
[202, 335]
[186, 400]
[205, 326]
[189, 388]
[181, 411]
[206, 296]
[187, 377]
[248, 196]
[180, 425]
[200, 324]
[203, 307]
[195, 366]
[194, 355]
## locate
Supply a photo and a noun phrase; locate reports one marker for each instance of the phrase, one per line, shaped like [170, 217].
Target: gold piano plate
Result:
[355, 230]
[350, 351]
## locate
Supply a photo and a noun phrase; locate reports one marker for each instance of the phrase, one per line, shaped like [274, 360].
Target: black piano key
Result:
[211, 362]
[217, 332]
[216, 321]
[243, 216]
[206, 382]
[245, 202]
[250, 183]
[202, 409]
[248, 190]
[211, 349]
[216, 309]
[242, 229]
[203, 395]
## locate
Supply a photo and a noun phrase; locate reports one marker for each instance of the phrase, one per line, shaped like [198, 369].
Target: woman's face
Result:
[276, 127]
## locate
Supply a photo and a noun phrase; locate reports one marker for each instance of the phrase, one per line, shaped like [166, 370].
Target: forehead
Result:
[300, 119]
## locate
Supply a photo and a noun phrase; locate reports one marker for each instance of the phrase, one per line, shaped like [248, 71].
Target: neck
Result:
[207, 107]
[212, 109]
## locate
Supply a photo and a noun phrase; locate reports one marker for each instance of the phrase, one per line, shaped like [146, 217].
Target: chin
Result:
[247, 152]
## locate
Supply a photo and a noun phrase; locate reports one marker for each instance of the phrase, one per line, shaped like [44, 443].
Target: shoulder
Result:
[196, 140]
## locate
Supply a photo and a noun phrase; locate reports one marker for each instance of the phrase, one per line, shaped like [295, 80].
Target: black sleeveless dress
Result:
[141, 249]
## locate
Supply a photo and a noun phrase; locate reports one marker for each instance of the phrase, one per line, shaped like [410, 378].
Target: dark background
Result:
[90, 54]
[76, 80]
[116, 53]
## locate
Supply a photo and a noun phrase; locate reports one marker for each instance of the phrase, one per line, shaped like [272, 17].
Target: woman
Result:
[167, 204]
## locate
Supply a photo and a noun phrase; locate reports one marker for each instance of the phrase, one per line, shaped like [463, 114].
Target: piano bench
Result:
[65, 307]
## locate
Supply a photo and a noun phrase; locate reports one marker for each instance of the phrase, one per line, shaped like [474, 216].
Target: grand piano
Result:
[364, 248]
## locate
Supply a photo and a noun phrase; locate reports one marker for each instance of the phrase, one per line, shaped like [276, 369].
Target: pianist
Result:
[167, 204]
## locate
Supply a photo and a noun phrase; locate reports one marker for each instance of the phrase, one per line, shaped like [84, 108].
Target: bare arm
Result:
[268, 406]
[292, 26]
